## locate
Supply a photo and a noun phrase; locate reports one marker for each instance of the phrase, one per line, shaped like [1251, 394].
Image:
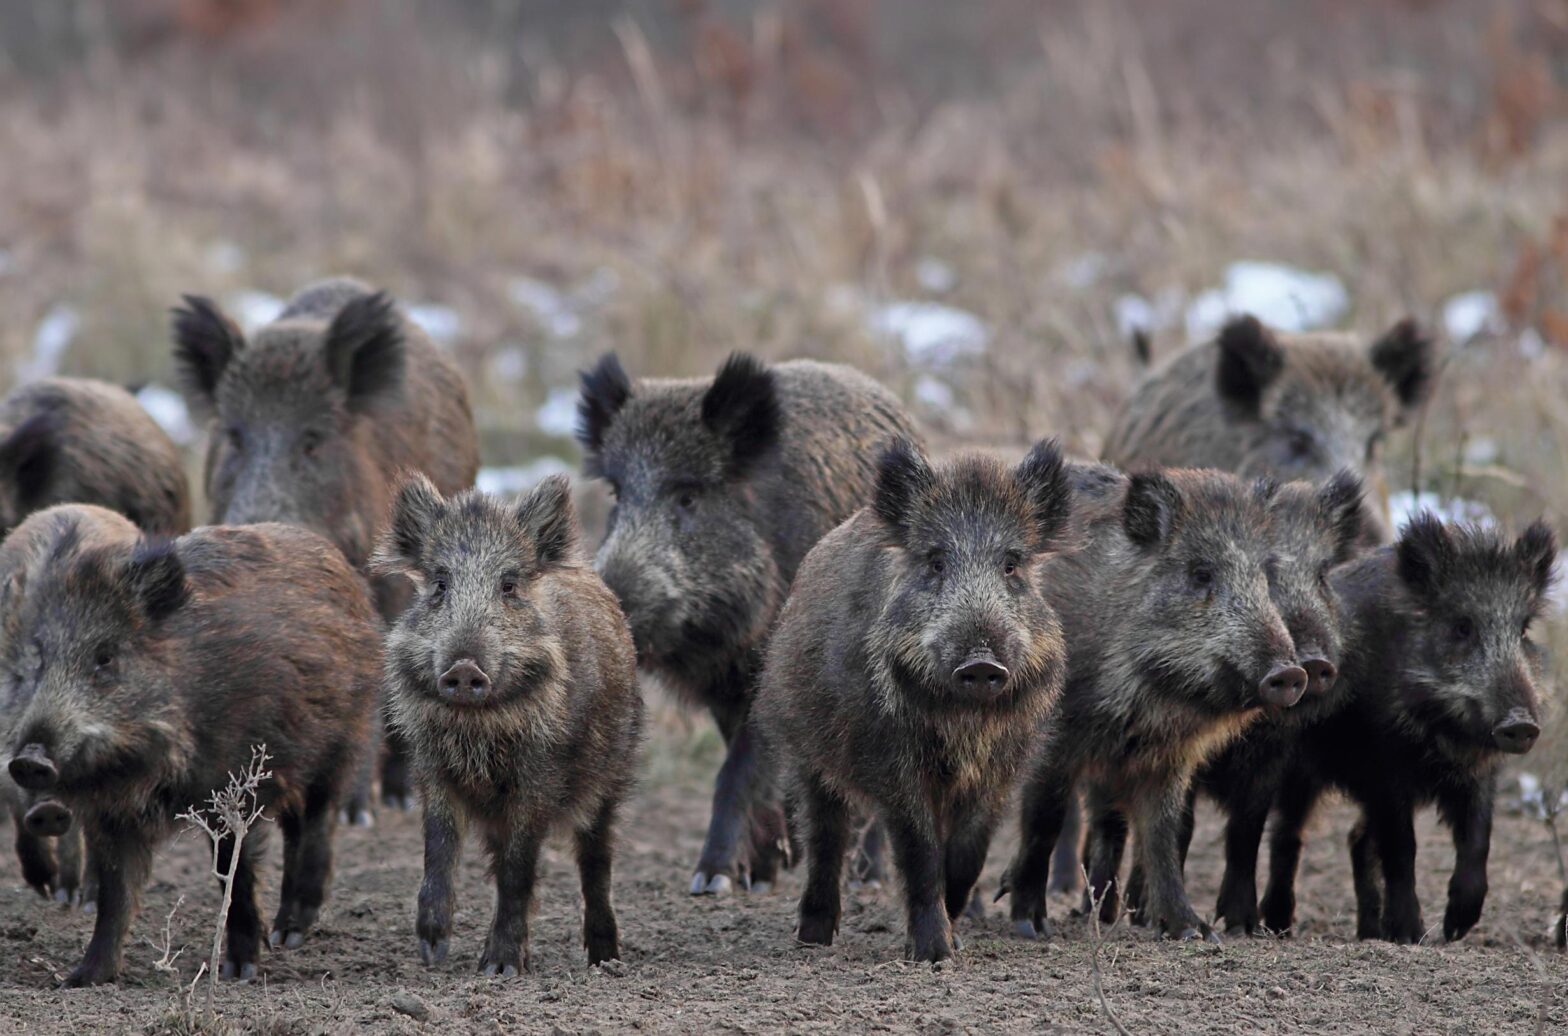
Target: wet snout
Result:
[1320, 672]
[464, 683]
[980, 674]
[47, 820]
[1517, 732]
[31, 768]
[1283, 686]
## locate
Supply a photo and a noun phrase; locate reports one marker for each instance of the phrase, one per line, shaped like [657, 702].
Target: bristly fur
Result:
[1250, 358]
[903, 478]
[414, 511]
[605, 389]
[157, 576]
[364, 350]
[1043, 477]
[1153, 509]
[1405, 356]
[548, 517]
[205, 340]
[742, 408]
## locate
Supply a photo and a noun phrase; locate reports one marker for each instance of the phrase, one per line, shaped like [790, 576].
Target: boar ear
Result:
[1404, 357]
[903, 477]
[742, 408]
[364, 350]
[1425, 553]
[1340, 504]
[27, 456]
[1537, 551]
[205, 340]
[1043, 478]
[549, 519]
[414, 511]
[1250, 359]
[156, 575]
[606, 388]
[1153, 508]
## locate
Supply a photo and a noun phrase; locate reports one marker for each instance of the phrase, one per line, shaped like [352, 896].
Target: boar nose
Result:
[464, 682]
[47, 820]
[1320, 674]
[1284, 685]
[1517, 732]
[32, 769]
[980, 672]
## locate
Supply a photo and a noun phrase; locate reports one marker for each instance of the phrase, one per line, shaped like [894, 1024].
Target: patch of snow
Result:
[53, 337]
[1471, 313]
[1281, 296]
[518, 478]
[548, 306]
[1133, 313]
[441, 323]
[168, 408]
[558, 415]
[1532, 796]
[1531, 345]
[930, 332]
[225, 257]
[1557, 596]
[1404, 505]
[935, 276]
[1481, 450]
[933, 392]
[254, 309]
[509, 363]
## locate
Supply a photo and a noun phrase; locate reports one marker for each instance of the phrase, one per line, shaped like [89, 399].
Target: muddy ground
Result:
[732, 965]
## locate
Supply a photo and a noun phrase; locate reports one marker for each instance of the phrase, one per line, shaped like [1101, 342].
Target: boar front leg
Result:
[1298, 794]
[595, 856]
[827, 832]
[122, 859]
[1102, 856]
[437, 895]
[1044, 809]
[717, 867]
[1468, 812]
[1158, 819]
[1248, 809]
[964, 859]
[920, 859]
[1365, 880]
[1392, 825]
[516, 861]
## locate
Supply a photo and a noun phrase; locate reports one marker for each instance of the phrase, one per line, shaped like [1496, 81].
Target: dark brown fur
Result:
[156, 666]
[505, 592]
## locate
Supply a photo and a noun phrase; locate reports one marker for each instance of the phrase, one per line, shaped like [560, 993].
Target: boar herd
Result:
[894, 647]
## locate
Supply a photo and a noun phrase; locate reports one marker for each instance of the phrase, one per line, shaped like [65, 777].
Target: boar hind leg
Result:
[516, 862]
[1065, 873]
[1238, 900]
[1158, 817]
[1364, 872]
[963, 861]
[1393, 827]
[1468, 812]
[827, 832]
[307, 867]
[242, 932]
[595, 847]
[1045, 800]
[920, 861]
[869, 866]
[1102, 857]
[35, 854]
[437, 894]
[1298, 793]
[732, 793]
[122, 861]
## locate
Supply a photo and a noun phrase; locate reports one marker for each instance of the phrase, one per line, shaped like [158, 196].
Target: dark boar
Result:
[1289, 406]
[48, 844]
[313, 420]
[912, 668]
[1175, 647]
[1440, 674]
[514, 678]
[722, 485]
[154, 666]
[80, 441]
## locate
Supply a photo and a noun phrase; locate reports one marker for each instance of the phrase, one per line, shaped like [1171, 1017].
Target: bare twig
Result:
[1544, 982]
[1095, 942]
[168, 955]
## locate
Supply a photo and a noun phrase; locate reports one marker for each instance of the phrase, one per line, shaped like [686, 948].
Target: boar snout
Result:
[465, 683]
[31, 768]
[980, 674]
[47, 820]
[1320, 672]
[1283, 686]
[1517, 732]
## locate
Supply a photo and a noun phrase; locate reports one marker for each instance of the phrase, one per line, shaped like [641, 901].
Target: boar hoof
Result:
[359, 816]
[240, 972]
[1027, 929]
[403, 803]
[1199, 933]
[434, 953]
[498, 969]
[866, 884]
[975, 911]
[761, 888]
[817, 930]
[88, 975]
[293, 939]
[703, 884]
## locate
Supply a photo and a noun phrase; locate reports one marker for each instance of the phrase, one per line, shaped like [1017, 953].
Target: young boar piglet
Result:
[910, 674]
[1175, 647]
[1441, 677]
[152, 669]
[722, 485]
[514, 679]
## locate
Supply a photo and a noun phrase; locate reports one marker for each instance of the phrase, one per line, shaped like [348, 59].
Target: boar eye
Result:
[1010, 565]
[438, 587]
[309, 443]
[236, 437]
[1464, 629]
[509, 586]
[686, 499]
[937, 564]
[103, 660]
[1202, 574]
[1300, 444]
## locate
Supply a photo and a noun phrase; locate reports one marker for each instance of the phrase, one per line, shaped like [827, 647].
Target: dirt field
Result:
[732, 965]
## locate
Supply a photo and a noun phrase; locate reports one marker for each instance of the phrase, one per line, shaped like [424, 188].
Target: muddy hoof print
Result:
[703, 884]
[293, 939]
[434, 953]
[237, 972]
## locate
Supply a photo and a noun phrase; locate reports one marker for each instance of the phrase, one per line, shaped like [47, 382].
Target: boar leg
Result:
[869, 867]
[1065, 872]
[1158, 819]
[738, 776]
[122, 859]
[1043, 811]
[1298, 793]
[1393, 826]
[307, 865]
[516, 861]
[1248, 809]
[34, 852]
[1468, 812]
[1364, 878]
[964, 859]
[1189, 824]
[827, 834]
[919, 857]
[437, 894]
[595, 847]
[1102, 855]
[70, 850]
